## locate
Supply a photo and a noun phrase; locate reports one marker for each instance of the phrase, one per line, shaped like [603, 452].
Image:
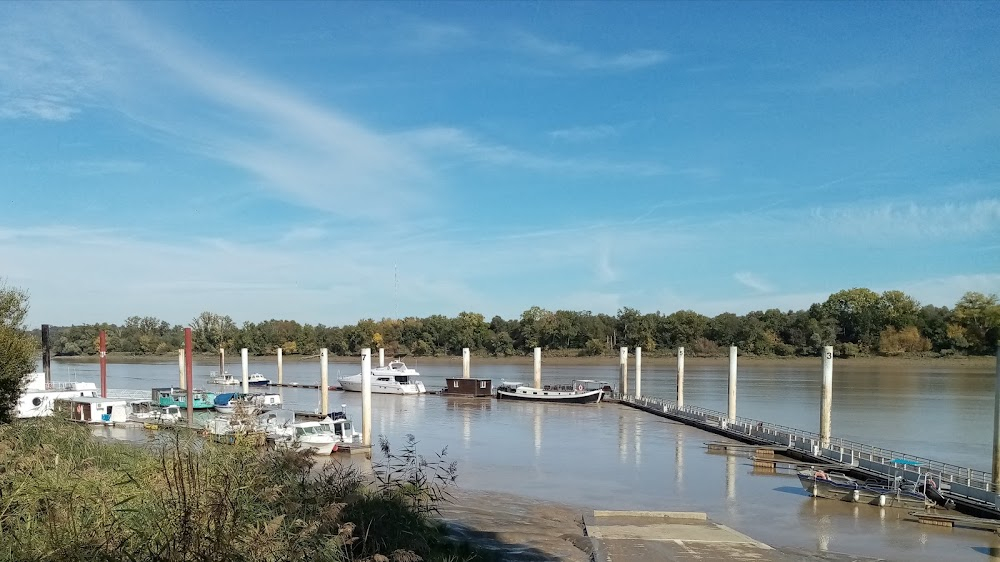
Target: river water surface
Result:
[607, 456]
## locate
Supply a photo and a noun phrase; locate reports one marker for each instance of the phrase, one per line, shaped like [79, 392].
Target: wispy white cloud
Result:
[461, 143]
[40, 78]
[752, 281]
[579, 58]
[894, 220]
[947, 290]
[105, 167]
[304, 233]
[862, 77]
[47, 107]
[296, 148]
[431, 36]
[606, 272]
[584, 133]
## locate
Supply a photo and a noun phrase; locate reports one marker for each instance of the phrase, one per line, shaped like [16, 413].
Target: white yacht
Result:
[39, 396]
[394, 378]
[226, 378]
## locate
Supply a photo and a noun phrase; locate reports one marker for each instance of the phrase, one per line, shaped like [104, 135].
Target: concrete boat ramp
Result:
[667, 536]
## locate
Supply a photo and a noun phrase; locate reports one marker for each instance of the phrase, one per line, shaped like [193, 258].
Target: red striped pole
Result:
[188, 357]
[103, 349]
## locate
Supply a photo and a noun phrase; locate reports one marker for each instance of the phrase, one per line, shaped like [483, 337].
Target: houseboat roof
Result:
[95, 400]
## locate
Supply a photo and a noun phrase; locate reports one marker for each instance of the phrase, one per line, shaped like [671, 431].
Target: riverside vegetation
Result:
[67, 496]
[857, 322]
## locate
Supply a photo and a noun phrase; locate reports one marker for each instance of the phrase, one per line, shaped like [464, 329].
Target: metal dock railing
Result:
[976, 485]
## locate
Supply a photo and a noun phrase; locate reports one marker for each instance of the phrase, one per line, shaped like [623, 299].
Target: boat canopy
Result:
[224, 399]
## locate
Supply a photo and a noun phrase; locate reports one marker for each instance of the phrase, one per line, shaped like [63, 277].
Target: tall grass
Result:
[66, 496]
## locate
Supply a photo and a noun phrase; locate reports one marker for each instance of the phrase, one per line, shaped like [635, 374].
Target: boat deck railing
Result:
[129, 394]
[968, 482]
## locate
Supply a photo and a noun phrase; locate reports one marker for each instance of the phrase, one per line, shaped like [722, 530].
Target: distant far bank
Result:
[552, 359]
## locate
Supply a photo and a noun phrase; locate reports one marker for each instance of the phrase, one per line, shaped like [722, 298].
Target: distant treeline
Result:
[855, 321]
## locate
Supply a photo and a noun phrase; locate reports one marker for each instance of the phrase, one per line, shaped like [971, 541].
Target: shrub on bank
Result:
[67, 496]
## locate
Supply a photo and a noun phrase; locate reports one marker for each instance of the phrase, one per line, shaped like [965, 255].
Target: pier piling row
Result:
[638, 372]
[538, 367]
[732, 382]
[996, 431]
[972, 489]
[245, 361]
[281, 369]
[680, 377]
[366, 396]
[324, 382]
[826, 397]
[623, 371]
[189, 373]
[181, 370]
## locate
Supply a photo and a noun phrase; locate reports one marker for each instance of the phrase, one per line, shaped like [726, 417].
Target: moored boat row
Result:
[922, 494]
[580, 392]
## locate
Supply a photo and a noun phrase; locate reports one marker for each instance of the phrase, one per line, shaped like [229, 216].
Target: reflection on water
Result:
[679, 464]
[637, 440]
[731, 478]
[622, 441]
[538, 432]
[567, 453]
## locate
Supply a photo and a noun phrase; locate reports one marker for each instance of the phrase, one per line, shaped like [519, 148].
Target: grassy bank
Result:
[66, 496]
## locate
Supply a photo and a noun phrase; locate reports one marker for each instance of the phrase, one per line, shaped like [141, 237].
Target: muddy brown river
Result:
[536, 467]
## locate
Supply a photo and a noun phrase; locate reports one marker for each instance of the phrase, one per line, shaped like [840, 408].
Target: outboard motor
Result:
[930, 490]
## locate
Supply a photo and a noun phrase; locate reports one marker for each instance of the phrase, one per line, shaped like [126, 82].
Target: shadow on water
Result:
[991, 551]
[794, 490]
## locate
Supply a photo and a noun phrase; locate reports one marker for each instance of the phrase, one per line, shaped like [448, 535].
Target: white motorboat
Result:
[258, 379]
[580, 392]
[146, 411]
[39, 396]
[322, 437]
[230, 402]
[225, 378]
[394, 378]
[342, 427]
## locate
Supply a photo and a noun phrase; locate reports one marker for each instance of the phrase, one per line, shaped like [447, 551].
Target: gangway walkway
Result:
[969, 486]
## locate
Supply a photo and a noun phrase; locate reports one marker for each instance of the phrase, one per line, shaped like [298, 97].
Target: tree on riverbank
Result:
[17, 349]
[856, 321]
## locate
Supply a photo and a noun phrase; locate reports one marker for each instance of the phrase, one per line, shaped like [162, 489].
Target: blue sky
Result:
[280, 160]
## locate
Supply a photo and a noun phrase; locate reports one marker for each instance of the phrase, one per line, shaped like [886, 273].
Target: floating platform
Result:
[970, 489]
[300, 385]
[353, 449]
[950, 520]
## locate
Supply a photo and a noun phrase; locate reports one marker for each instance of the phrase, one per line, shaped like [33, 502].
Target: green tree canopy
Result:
[17, 349]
